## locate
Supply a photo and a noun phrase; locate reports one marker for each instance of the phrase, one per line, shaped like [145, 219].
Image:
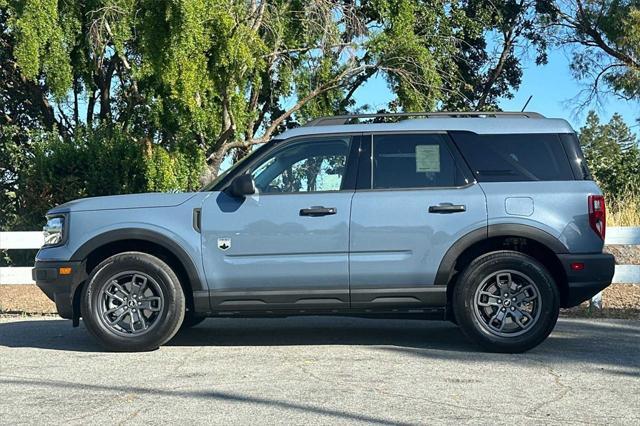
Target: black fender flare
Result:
[143, 235]
[445, 270]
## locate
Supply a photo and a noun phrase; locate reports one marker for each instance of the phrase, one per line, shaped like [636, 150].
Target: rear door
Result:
[415, 198]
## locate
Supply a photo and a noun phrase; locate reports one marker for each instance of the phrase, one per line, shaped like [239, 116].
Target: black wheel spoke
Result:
[138, 285]
[132, 322]
[115, 296]
[152, 304]
[143, 323]
[522, 318]
[525, 294]
[118, 318]
[120, 288]
[504, 283]
[489, 299]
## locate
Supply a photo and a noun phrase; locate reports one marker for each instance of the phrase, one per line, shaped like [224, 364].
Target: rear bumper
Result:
[593, 278]
[59, 288]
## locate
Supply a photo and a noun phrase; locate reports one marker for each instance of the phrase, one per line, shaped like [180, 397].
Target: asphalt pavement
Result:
[319, 370]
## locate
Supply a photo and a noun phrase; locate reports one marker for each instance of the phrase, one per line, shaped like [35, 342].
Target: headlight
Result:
[54, 231]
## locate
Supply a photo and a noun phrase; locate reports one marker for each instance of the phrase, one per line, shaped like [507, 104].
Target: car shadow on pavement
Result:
[605, 342]
[318, 330]
[233, 397]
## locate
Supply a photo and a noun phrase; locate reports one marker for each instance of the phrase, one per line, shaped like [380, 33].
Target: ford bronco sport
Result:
[490, 220]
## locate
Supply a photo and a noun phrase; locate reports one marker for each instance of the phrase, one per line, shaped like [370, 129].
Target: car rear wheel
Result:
[133, 302]
[506, 301]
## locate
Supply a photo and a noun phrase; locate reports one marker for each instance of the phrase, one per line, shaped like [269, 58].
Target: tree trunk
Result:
[90, 107]
[215, 161]
[496, 71]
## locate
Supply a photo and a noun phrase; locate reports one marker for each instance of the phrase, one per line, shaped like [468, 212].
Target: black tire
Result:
[191, 320]
[478, 320]
[162, 295]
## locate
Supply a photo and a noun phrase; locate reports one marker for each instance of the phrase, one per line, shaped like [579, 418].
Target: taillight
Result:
[597, 215]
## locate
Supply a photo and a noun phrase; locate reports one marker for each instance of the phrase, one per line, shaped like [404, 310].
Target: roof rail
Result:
[355, 118]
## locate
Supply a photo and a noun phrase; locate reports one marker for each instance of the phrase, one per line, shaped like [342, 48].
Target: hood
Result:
[130, 201]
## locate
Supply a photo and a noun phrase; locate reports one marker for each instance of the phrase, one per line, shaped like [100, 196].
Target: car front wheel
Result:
[506, 301]
[133, 302]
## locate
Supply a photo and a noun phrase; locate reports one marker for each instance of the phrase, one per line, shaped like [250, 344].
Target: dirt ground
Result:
[24, 299]
[625, 254]
[619, 301]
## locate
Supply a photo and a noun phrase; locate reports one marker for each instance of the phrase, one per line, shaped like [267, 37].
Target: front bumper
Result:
[593, 278]
[61, 289]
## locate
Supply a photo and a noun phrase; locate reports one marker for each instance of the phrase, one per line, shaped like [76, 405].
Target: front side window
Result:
[414, 161]
[305, 166]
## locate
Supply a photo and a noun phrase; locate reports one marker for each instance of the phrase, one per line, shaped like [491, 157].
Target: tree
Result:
[492, 37]
[178, 86]
[222, 74]
[612, 153]
[604, 36]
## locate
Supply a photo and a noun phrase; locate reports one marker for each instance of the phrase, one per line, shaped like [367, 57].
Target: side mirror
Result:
[242, 185]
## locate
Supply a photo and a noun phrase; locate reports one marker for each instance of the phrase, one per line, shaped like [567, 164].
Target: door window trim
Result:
[367, 169]
[348, 185]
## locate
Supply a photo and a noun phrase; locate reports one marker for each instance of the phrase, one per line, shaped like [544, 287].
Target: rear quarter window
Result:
[514, 157]
[576, 157]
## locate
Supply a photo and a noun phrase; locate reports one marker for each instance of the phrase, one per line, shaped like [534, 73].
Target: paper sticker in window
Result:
[428, 158]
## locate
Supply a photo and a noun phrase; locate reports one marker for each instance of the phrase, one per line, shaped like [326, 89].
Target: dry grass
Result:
[624, 210]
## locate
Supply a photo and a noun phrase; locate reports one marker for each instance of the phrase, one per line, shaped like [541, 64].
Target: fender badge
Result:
[224, 243]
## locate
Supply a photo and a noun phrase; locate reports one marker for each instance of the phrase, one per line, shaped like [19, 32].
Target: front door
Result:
[285, 247]
[414, 201]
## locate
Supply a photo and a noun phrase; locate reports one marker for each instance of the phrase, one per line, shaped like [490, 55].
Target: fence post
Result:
[596, 301]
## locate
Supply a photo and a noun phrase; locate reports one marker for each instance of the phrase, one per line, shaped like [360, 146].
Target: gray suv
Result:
[490, 220]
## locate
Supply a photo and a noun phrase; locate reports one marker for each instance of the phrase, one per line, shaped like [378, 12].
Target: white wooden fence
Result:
[627, 274]
[18, 241]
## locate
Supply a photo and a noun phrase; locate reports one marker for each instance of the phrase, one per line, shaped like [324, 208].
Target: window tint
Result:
[514, 157]
[308, 166]
[576, 157]
[413, 161]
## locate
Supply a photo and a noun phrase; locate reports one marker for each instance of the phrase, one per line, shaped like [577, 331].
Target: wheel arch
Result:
[534, 242]
[102, 246]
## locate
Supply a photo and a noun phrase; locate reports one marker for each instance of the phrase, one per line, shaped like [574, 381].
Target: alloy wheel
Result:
[507, 303]
[130, 303]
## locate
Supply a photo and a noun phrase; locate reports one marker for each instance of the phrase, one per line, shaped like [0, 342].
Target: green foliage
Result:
[605, 39]
[400, 40]
[12, 159]
[41, 45]
[612, 153]
[173, 171]
[103, 161]
[103, 97]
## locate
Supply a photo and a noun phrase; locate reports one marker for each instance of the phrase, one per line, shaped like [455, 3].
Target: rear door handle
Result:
[447, 208]
[318, 211]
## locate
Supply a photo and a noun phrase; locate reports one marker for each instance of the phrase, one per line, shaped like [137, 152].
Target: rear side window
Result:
[413, 161]
[576, 157]
[514, 157]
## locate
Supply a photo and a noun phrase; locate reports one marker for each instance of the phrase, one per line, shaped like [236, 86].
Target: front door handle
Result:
[318, 211]
[447, 208]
